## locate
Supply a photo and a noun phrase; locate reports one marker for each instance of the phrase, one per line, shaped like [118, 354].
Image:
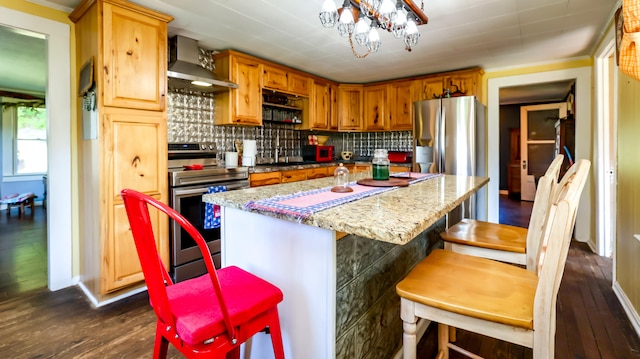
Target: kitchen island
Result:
[339, 291]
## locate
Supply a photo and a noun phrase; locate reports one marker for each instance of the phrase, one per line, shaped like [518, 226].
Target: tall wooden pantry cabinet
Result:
[128, 46]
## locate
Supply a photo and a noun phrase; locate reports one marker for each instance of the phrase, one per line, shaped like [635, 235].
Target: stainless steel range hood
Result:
[184, 68]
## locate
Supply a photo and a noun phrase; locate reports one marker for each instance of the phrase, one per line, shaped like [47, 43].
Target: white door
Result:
[537, 143]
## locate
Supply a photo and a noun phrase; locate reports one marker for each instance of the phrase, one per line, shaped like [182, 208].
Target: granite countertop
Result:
[395, 216]
[306, 165]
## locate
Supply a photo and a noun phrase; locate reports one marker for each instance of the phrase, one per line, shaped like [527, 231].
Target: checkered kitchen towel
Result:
[301, 205]
[212, 211]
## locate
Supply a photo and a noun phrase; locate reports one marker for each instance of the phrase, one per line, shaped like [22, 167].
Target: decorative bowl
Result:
[322, 140]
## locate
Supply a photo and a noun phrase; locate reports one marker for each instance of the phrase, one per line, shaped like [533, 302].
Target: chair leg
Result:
[452, 334]
[409, 341]
[160, 346]
[233, 353]
[276, 334]
[443, 341]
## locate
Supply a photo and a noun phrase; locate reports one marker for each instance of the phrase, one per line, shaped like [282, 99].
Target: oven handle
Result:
[182, 192]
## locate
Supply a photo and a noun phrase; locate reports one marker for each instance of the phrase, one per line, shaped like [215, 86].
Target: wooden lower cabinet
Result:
[313, 173]
[293, 176]
[264, 179]
[135, 164]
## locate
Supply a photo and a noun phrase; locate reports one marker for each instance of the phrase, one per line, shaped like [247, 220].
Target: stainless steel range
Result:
[193, 168]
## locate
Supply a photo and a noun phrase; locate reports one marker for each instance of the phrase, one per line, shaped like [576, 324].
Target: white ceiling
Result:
[493, 34]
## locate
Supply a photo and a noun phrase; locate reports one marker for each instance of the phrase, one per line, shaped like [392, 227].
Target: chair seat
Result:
[197, 322]
[502, 293]
[487, 235]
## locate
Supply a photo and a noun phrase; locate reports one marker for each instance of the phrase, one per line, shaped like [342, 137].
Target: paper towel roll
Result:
[424, 154]
[249, 148]
[248, 160]
[231, 159]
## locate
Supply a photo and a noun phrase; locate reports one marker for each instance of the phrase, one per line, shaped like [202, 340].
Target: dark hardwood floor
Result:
[41, 324]
[23, 252]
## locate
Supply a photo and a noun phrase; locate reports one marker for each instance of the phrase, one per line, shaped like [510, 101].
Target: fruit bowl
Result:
[322, 140]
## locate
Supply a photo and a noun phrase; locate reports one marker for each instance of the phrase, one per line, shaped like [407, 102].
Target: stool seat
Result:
[487, 235]
[473, 286]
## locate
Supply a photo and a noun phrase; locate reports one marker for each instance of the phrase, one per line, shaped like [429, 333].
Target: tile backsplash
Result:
[190, 118]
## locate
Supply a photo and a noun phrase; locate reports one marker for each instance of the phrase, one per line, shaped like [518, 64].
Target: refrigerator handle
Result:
[441, 144]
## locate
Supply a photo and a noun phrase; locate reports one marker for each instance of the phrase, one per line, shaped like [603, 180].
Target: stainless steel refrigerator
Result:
[450, 137]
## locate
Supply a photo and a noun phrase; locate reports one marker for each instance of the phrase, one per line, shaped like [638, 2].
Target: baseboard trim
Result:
[632, 314]
[97, 304]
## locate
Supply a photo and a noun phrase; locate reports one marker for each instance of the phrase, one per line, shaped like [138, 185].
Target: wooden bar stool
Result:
[496, 299]
[503, 242]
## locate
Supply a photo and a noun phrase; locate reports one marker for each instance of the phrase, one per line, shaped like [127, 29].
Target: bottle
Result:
[380, 165]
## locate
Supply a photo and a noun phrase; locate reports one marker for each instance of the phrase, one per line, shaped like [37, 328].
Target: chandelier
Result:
[361, 19]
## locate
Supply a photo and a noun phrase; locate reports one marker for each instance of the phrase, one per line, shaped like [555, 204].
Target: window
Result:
[31, 140]
[24, 138]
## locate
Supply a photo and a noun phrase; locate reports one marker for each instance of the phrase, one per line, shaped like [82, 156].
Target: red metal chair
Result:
[207, 316]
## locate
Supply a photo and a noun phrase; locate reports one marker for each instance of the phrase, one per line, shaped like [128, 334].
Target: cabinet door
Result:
[321, 106]
[298, 84]
[350, 108]
[247, 98]
[140, 165]
[274, 78]
[321, 172]
[401, 106]
[375, 111]
[264, 179]
[293, 176]
[432, 87]
[462, 82]
[333, 108]
[135, 59]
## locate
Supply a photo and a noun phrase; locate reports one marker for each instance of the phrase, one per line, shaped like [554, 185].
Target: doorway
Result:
[537, 143]
[58, 94]
[582, 77]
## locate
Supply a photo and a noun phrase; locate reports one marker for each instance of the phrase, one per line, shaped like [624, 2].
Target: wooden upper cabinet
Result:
[134, 50]
[274, 78]
[320, 106]
[241, 106]
[467, 82]
[401, 98]
[278, 78]
[375, 108]
[333, 117]
[350, 105]
[432, 87]
[299, 84]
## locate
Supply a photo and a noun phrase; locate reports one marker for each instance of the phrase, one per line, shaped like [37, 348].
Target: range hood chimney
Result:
[184, 68]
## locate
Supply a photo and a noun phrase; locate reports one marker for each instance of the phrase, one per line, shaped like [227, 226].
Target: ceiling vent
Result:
[184, 71]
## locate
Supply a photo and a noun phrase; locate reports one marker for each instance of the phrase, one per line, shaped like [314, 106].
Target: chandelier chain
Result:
[353, 49]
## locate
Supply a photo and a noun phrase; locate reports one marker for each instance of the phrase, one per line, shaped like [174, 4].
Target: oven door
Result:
[188, 202]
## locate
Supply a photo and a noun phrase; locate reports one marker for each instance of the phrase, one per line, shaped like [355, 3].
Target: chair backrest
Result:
[545, 191]
[553, 251]
[570, 189]
[155, 274]
[554, 168]
[538, 221]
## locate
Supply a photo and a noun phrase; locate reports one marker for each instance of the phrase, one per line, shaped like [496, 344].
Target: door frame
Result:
[606, 84]
[58, 95]
[584, 135]
[526, 180]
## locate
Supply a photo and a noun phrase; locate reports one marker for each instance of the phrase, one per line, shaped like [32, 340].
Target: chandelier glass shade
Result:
[361, 19]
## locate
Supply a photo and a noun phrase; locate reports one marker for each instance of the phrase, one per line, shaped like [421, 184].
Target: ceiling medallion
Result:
[401, 19]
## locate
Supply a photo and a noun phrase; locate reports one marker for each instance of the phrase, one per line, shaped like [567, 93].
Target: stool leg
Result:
[443, 341]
